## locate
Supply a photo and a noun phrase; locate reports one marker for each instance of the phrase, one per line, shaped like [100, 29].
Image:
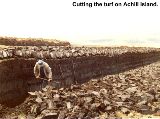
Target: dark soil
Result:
[131, 94]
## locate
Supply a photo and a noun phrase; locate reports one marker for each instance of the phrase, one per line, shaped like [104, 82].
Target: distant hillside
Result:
[12, 41]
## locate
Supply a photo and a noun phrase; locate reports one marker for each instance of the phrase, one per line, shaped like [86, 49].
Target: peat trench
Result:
[17, 78]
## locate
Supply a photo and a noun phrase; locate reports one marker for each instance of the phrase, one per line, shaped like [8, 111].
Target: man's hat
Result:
[40, 62]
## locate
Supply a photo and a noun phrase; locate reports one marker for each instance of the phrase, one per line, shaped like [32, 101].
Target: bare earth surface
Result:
[131, 94]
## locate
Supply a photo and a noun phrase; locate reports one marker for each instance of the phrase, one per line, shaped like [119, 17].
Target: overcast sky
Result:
[58, 19]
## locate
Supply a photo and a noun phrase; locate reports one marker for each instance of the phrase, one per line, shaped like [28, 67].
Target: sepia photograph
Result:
[79, 59]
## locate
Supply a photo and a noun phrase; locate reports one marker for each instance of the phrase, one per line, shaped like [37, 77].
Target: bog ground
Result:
[89, 82]
[131, 94]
